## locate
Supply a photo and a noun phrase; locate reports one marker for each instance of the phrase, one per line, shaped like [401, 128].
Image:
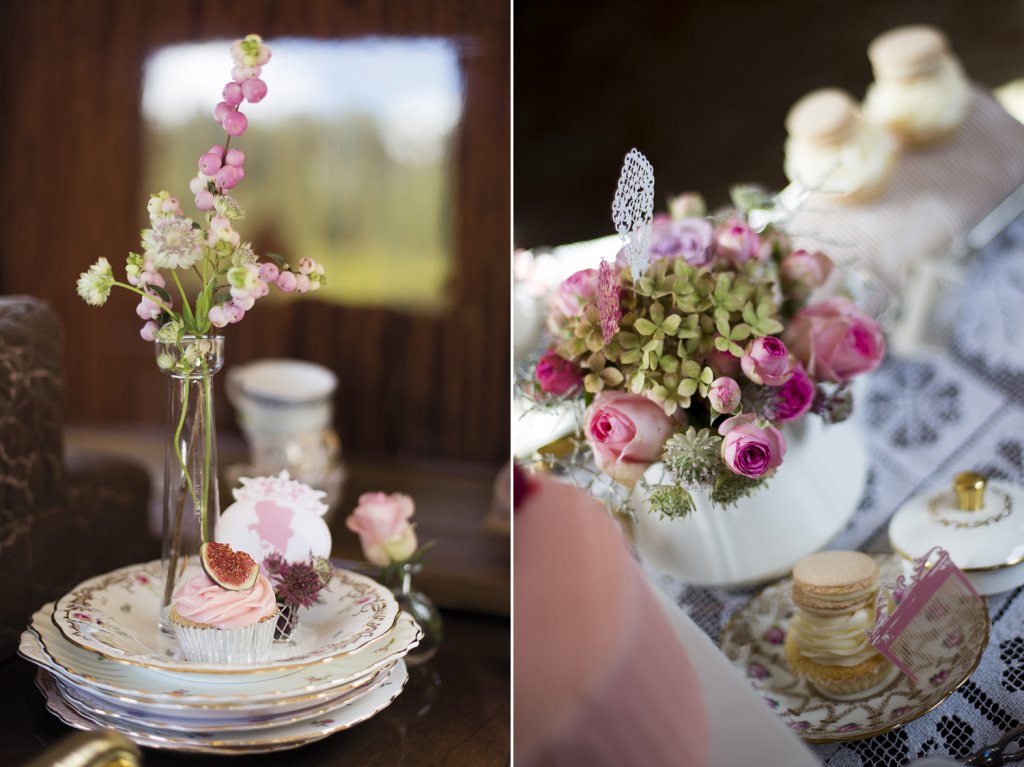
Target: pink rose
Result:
[835, 341]
[724, 395]
[803, 271]
[750, 448]
[626, 432]
[576, 292]
[767, 362]
[688, 238]
[382, 522]
[795, 396]
[557, 375]
[737, 243]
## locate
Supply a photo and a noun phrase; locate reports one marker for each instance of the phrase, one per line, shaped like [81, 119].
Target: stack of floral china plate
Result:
[104, 662]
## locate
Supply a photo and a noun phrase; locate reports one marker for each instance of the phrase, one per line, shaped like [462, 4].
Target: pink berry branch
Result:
[231, 276]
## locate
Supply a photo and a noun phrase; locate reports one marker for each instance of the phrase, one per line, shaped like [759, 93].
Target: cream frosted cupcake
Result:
[216, 625]
[834, 592]
[920, 92]
[832, 150]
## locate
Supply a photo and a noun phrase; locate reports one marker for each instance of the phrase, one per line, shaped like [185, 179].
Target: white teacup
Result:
[279, 398]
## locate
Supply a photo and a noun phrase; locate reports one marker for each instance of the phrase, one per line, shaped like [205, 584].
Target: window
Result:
[349, 159]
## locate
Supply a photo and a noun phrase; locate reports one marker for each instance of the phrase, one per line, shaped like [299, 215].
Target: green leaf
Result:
[671, 324]
[722, 343]
[740, 332]
[628, 340]
[637, 384]
[644, 326]
[631, 357]
[687, 388]
[690, 369]
[722, 326]
[735, 349]
[707, 375]
[612, 376]
[669, 363]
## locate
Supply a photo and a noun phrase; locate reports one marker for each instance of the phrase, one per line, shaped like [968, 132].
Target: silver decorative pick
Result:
[633, 210]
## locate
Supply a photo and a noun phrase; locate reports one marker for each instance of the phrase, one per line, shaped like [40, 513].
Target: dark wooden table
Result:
[454, 711]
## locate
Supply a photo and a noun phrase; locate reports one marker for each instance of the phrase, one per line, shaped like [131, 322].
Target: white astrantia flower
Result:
[173, 243]
[228, 206]
[243, 255]
[94, 285]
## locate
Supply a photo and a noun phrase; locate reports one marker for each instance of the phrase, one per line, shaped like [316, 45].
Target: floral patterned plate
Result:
[235, 741]
[753, 643]
[117, 616]
[215, 695]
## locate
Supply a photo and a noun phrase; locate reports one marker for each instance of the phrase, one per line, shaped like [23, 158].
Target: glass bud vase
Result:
[191, 500]
[399, 579]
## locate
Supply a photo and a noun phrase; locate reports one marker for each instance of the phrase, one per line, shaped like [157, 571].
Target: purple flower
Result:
[795, 397]
[774, 635]
[800, 726]
[750, 448]
[557, 375]
[608, 289]
[772, 703]
[757, 671]
[687, 238]
[940, 677]
[295, 583]
[851, 727]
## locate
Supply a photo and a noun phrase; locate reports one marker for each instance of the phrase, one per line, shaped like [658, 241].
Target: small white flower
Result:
[228, 207]
[173, 243]
[94, 285]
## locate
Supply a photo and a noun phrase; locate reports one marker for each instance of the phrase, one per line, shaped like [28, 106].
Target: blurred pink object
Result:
[600, 676]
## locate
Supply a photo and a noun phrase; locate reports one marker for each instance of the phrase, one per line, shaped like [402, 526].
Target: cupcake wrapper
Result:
[240, 646]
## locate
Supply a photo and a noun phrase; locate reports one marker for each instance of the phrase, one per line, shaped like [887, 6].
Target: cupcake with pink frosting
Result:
[216, 625]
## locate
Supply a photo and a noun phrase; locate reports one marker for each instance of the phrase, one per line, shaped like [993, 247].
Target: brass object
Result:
[99, 748]
[970, 490]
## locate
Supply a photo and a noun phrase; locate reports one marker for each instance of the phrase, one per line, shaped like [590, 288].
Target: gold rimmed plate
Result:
[116, 615]
[171, 692]
[278, 738]
[753, 642]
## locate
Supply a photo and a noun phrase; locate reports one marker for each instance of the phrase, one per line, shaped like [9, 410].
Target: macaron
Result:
[833, 581]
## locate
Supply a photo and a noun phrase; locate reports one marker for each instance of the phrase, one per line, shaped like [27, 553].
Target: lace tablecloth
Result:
[926, 419]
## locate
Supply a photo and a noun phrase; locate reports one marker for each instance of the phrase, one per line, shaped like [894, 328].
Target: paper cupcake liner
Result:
[238, 646]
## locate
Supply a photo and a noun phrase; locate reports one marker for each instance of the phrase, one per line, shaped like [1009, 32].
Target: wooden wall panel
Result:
[70, 130]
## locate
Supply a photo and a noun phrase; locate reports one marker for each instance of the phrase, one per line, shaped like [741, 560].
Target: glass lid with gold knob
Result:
[979, 521]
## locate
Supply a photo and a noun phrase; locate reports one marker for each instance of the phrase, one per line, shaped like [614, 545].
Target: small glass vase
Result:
[398, 578]
[191, 500]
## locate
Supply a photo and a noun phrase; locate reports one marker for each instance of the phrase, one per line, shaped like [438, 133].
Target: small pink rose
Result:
[835, 341]
[687, 205]
[795, 397]
[556, 375]
[737, 243]
[751, 448]
[724, 395]
[576, 292]
[803, 271]
[382, 523]
[626, 432]
[767, 362]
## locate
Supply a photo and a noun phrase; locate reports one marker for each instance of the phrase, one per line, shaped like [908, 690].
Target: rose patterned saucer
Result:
[753, 642]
